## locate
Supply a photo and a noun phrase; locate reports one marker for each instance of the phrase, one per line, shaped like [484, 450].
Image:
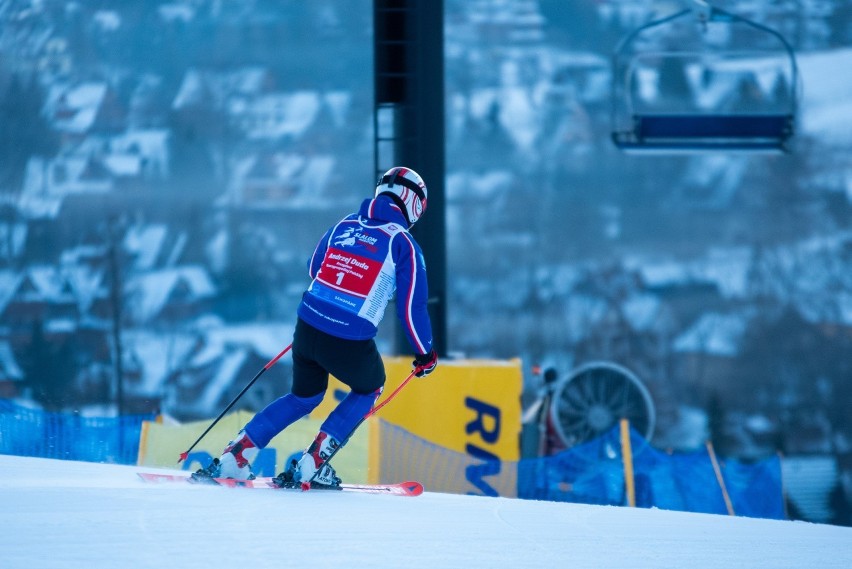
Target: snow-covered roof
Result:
[715, 334]
[47, 182]
[9, 369]
[74, 108]
[725, 268]
[47, 283]
[664, 273]
[151, 291]
[107, 20]
[201, 86]
[225, 349]
[70, 283]
[814, 275]
[124, 165]
[276, 115]
[266, 339]
[145, 244]
[9, 282]
[307, 176]
[517, 111]
[157, 354]
[150, 146]
[87, 283]
[642, 311]
[720, 176]
[226, 371]
[81, 254]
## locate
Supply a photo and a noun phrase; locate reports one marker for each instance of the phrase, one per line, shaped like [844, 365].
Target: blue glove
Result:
[424, 364]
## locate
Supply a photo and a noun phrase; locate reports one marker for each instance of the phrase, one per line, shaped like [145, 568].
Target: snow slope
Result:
[82, 515]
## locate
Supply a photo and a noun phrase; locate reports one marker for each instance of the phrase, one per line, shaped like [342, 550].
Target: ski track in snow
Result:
[74, 515]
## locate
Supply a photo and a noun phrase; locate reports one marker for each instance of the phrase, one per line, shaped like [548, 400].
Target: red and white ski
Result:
[409, 488]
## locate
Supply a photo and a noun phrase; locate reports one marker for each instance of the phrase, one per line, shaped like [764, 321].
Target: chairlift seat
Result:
[638, 131]
[691, 132]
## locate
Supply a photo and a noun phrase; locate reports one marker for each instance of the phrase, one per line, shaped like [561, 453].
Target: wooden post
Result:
[627, 459]
[720, 479]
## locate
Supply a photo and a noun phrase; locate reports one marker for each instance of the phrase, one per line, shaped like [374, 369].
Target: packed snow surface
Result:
[82, 515]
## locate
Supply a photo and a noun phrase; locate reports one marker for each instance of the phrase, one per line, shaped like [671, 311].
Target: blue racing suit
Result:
[357, 267]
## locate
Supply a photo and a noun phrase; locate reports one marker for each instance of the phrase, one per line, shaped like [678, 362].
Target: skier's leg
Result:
[279, 415]
[359, 365]
[345, 417]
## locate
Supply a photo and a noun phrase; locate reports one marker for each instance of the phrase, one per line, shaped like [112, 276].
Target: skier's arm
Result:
[412, 293]
[319, 253]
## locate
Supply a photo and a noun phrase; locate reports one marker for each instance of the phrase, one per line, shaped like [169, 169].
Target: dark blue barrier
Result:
[31, 432]
[593, 473]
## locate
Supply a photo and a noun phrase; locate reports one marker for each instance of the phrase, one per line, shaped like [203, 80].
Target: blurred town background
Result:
[166, 169]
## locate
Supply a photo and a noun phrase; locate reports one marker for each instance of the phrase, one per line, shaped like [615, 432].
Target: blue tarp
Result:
[593, 473]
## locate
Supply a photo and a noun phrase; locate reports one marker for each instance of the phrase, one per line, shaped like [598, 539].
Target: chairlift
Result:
[638, 127]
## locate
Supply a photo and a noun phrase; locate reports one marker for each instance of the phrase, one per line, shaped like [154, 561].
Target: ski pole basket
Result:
[721, 83]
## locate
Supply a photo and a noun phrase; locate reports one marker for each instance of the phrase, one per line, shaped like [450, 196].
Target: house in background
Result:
[222, 362]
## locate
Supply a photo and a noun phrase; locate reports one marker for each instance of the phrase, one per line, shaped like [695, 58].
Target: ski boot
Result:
[312, 470]
[232, 463]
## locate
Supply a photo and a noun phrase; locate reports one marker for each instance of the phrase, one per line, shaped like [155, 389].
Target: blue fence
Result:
[30, 432]
[593, 473]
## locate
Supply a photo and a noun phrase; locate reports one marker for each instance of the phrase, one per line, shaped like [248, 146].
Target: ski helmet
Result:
[407, 189]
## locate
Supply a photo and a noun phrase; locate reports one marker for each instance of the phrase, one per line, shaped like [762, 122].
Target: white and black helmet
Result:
[407, 189]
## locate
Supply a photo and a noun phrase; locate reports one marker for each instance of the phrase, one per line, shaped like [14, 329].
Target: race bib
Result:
[349, 273]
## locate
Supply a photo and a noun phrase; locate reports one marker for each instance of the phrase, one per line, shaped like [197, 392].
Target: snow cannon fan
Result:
[593, 398]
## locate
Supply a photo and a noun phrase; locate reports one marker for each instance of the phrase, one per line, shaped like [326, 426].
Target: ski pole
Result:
[369, 414]
[271, 363]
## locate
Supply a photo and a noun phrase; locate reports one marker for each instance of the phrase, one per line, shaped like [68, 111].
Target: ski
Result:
[408, 488]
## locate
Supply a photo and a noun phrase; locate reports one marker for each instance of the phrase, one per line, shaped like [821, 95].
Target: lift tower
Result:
[408, 116]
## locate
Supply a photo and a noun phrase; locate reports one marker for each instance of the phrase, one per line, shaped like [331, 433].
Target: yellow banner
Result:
[461, 404]
[472, 407]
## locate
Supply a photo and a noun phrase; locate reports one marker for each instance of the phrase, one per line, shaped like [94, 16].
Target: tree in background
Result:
[25, 131]
[49, 369]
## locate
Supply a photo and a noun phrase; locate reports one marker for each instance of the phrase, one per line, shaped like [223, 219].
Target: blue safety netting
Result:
[67, 436]
[594, 473]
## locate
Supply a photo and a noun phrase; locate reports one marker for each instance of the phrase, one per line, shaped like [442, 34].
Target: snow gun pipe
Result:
[185, 454]
[372, 412]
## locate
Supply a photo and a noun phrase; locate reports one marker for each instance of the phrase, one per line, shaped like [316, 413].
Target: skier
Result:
[357, 266]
